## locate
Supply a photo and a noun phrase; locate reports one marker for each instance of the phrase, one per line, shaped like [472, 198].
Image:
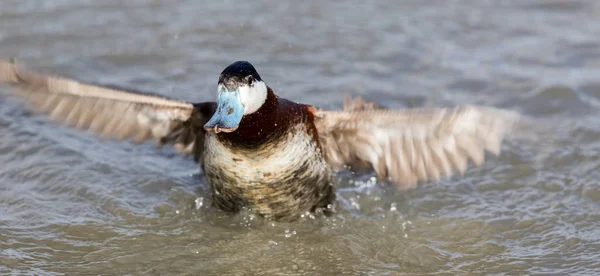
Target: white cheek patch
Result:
[253, 97]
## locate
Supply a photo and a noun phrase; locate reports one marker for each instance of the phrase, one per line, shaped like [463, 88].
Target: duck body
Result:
[272, 164]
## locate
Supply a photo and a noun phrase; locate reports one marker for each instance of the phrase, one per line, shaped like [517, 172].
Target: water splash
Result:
[199, 202]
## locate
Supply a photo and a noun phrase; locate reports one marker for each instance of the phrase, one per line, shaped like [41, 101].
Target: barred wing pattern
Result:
[109, 112]
[414, 145]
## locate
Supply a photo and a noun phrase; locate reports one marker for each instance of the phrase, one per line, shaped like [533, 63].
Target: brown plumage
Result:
[112, 113]
[272, 163]
[255, 165]
[413, 145]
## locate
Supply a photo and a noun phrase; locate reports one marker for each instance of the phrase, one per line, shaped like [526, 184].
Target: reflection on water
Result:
[73, 204]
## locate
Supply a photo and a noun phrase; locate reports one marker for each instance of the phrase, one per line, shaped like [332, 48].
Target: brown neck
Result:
[257, 128]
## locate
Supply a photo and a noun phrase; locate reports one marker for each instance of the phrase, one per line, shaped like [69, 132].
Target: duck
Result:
[267, 154]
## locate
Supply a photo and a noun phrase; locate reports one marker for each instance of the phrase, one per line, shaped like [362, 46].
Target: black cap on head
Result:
[238, 73]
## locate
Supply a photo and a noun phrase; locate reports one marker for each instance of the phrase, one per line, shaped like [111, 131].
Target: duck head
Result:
[240, 92]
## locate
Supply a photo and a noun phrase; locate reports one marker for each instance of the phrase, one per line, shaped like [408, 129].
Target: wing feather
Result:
[414, 145]
[111, 112]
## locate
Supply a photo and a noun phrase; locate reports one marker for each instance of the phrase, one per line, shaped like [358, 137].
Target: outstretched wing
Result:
[112, 112]
[413, 145]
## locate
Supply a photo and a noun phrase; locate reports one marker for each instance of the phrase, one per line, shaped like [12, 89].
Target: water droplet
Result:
[393, 207]
[199, 202]
[273, 243]
[177, 212]
[354, 204]
[408, 222]
[197, 252]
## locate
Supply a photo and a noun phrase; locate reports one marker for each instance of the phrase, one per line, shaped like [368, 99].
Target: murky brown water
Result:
[71, 204]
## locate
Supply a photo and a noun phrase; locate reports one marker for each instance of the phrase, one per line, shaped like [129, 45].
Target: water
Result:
[73, 204]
